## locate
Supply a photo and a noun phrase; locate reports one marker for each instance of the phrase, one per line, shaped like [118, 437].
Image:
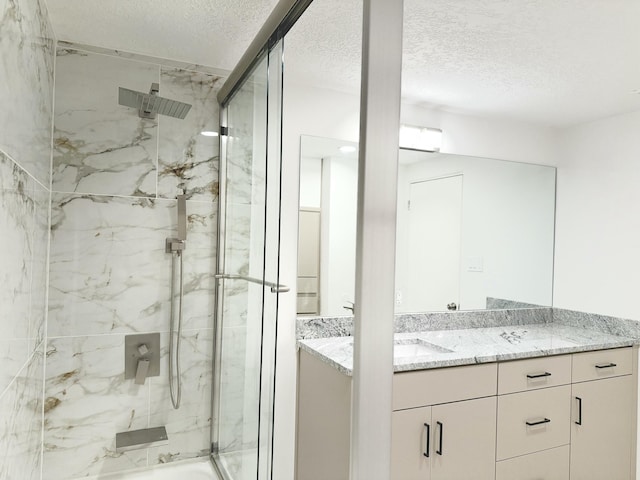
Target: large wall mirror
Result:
[472, 233]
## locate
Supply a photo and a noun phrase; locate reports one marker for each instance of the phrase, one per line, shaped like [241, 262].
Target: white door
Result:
[435, 217]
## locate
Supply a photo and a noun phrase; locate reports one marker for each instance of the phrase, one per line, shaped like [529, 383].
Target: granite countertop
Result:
[448, 348]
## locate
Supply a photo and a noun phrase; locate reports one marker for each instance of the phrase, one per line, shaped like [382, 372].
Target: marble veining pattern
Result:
[87, 401]
[21, 422]
[189, 427]
[187, 160]
[115, 181]
[322, 327]
[101, 147]
[109, 271]
[17, 224]
[26, 77]
[474, 345]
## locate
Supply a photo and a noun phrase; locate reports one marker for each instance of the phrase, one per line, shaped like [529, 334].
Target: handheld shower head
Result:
[182, 217]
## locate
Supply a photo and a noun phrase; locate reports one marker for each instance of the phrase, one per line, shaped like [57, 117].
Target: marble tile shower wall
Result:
[115, 179]
[26, 96]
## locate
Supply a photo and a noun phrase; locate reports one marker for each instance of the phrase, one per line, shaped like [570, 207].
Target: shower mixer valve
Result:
[141, 356]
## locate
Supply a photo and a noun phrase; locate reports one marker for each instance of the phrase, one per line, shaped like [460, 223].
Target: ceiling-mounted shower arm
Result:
[146, 107]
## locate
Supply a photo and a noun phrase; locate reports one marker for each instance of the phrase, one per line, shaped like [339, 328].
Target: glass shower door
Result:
[248, 286]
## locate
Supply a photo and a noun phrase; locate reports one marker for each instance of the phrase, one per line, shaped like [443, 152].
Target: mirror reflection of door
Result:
[309, 261]
[435, 218]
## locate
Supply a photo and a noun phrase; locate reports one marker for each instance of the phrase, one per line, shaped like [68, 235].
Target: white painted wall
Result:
[597, 260]
[597, 266]
[486, 137]
[326, 113]
[310, 182]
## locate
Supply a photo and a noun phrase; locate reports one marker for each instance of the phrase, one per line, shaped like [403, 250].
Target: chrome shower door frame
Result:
[269, 220]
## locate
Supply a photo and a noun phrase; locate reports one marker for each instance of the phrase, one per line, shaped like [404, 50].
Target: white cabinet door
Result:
[464, 440]
[411, 444]
[601, 429]
[452, 441]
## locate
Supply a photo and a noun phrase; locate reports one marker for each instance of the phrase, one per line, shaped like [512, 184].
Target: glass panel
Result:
[476, 260]
[240, 312]
[272, 260]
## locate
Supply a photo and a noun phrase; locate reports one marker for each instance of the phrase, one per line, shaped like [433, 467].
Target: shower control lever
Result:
[142, 371]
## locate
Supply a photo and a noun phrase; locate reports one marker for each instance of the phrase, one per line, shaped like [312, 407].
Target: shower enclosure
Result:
[248, 286]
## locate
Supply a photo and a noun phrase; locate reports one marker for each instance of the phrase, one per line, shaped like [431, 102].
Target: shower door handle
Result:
[275, 287]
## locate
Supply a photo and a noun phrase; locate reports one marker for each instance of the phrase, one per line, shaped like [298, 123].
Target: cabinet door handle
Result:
[579, 421]
[606, 365]
[540, 422]
[539, 375]
[427, 447]
[439, 450]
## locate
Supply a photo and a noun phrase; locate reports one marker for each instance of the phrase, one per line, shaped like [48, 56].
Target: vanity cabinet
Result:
[602, 415]
[565, 417]
[445, 442]
[444, 424]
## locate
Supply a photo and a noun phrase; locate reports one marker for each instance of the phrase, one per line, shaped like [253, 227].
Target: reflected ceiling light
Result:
[209, 133]
[347, 149]
[420, 138]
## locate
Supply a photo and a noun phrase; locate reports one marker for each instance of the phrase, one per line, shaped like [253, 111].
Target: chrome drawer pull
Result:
[533, 424]
[606, 365]
[539, 375]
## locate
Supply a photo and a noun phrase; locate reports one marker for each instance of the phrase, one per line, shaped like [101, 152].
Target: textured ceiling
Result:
[551, 62]
[207, 32]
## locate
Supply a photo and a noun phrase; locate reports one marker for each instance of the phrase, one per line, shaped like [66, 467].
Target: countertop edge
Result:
[463, 360]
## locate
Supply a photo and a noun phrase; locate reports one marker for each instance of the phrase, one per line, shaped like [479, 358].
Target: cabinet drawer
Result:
[550, 464]
[601, 364]
[443, 385]
[532, 421]
[534, 373]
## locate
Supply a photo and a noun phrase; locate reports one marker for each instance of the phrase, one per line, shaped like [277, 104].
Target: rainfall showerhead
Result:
[150, 104]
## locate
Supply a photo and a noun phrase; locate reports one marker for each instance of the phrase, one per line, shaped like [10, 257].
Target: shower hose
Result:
[175, 334]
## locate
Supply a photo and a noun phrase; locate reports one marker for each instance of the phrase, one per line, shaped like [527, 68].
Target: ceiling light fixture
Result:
[347, 149]
[209, 133]
[423, 139]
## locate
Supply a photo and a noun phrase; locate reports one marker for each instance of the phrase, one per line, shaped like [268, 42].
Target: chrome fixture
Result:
[138, 439]
[422, 139]
[141, 356]
[175, 246]
[275, 287]
[150, 104]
